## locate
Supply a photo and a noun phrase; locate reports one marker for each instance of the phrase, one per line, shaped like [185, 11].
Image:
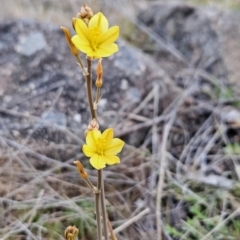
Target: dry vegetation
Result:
[183, 177]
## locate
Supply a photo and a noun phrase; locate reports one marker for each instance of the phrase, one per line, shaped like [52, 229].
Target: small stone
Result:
[57, 118]
[231, 116]
[15, 133]
[7, 98]
[32, 86]
[133, 95]
[102, 103]
[124, 84]
[77, 118]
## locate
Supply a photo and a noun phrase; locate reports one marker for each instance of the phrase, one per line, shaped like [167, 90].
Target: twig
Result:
[162, 159]
[131, 221]
[40, 92]
[139, 126]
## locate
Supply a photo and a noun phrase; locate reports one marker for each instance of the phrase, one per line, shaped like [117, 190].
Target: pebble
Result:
[124, 84]
[134, 95]
[7, 98]
[77, 118]
[15, 133]
[102, 103]
[55, 117]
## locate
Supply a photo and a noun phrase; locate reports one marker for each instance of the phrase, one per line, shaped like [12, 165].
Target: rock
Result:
[124, 84]
[77, 118]
[42, 71]
[133, 95]
[189, 31]
[30, 44]
[57, 118]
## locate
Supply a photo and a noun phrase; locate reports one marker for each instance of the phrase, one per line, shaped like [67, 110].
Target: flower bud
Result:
[81, 170]
[99, 80]
[71, 233]
[85, 13]
[93, 125]
[72, 47]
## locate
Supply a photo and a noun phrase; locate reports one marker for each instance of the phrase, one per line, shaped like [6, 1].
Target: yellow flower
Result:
[96, 39]
[102, 148]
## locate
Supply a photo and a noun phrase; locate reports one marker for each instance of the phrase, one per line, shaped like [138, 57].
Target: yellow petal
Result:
[99, 21]
[106, 51]
[88, 151]
[110, 159]
[81, 45]
[115, 147]
[80, 41]
[97, 162]
[93, 54]
[82, 30]
[108, 135]
[109, 36]
[92, 137]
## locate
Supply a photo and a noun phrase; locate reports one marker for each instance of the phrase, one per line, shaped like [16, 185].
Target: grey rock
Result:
[124, 84]
[30, 44]
[55, 117]
[188, 29]
[77, 117]
[133, 95]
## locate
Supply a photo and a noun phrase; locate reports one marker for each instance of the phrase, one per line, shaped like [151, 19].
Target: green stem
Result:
[89, 88]
[103, 206]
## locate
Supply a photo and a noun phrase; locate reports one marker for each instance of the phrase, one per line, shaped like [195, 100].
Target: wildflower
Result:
[95, 39]
[102, 148]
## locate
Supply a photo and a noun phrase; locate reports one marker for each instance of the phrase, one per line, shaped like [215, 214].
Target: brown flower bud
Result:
[71, 233]
[81, 170]
[72, 47]
[93, 125]
[99, 80]
[85, 12]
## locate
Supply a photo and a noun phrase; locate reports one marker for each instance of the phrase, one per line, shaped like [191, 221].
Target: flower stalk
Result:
[89, 88]
[95, 39]
[103, 206]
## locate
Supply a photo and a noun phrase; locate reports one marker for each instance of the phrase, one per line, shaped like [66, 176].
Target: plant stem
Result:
[103, 206]
[81, 66]
[98, 210]
[97, 101]
[98, 95]
[89, 88]
[94, 115]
